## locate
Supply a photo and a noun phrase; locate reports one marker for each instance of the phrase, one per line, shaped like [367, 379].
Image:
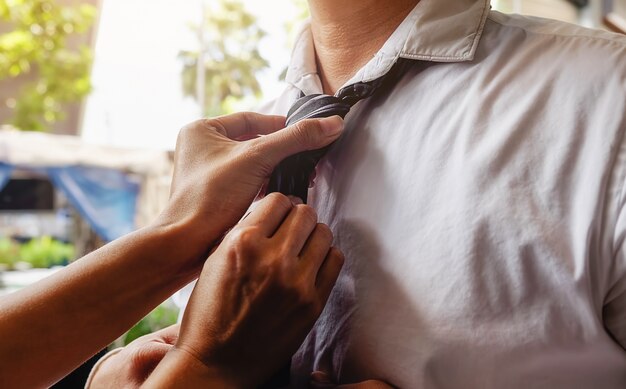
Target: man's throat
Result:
[344, 46]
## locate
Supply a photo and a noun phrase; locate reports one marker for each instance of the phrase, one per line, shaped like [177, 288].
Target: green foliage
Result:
[41, 252]
[38, 45]
[161, 317]
[46, 252]
[232, 58]
[9, 252]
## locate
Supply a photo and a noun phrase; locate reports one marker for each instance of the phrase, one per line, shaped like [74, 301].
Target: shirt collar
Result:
[435, 30]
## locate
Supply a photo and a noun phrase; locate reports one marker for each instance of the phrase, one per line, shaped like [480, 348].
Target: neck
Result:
[348, 33]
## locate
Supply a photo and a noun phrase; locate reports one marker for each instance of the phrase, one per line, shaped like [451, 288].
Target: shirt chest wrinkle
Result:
[481, 230]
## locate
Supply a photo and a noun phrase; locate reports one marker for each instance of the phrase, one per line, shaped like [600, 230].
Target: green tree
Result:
[37, 47]
[162, 316]
[230, 36]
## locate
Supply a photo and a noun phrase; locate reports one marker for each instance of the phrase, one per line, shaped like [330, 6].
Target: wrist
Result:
[178, 250]
[195, 232]
[181, 368]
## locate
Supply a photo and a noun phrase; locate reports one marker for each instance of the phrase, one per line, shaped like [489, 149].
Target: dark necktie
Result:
[292, 175]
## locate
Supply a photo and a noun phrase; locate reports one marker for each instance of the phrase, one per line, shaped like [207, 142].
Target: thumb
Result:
[305, 135]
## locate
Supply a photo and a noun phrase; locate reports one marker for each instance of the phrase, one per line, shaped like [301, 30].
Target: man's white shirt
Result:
[480, 205]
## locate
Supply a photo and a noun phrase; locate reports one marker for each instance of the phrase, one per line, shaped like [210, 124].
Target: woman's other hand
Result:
[130, 366]
[257, 298]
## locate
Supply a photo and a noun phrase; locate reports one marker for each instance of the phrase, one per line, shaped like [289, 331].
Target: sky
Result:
[137, 100]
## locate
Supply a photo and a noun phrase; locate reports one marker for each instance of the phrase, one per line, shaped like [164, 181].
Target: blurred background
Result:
[93, 93]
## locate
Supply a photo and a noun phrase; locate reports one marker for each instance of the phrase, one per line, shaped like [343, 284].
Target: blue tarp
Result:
[5, 174]
[106, 198]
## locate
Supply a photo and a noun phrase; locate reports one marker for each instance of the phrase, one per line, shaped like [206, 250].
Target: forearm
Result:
[90, 303]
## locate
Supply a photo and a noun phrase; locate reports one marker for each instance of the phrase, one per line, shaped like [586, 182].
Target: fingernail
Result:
[321, 377]
[295, 200]
[332, 125]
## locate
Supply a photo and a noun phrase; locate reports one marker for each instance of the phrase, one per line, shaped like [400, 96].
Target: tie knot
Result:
[321, 106]
[317, 106]
[352, 94]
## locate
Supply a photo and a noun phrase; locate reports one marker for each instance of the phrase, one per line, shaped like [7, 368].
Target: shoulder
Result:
[549, 28]
[544, 50]
[564, 43]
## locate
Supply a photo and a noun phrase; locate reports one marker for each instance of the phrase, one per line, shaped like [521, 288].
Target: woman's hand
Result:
[217, 175]
[216, 178]
[258, 296]
[130, 366]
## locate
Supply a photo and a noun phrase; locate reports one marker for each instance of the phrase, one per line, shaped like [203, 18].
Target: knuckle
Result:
[198, 127]
[184, 134]
[190, 129]
[243, 240]
[324, 231]
[278, 200]
[307, 213]
[215, 123]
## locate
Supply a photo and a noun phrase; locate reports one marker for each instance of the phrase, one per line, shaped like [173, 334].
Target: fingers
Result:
[246, 124]
[145, 358]
[311, 134]
[269, 213]
[297, 228]
[316, 249]
[328, 273]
